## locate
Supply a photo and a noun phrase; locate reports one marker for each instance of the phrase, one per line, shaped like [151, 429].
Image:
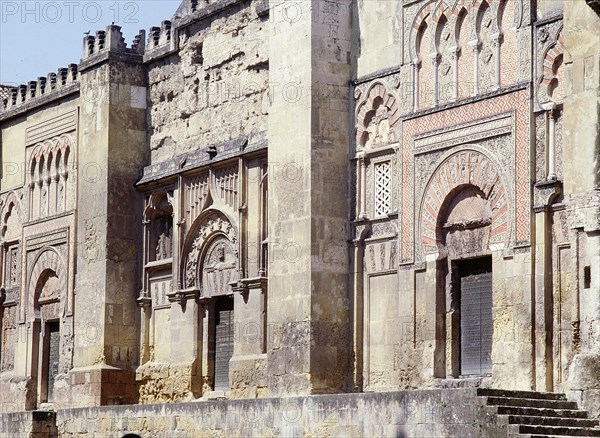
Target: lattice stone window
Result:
[383, 188]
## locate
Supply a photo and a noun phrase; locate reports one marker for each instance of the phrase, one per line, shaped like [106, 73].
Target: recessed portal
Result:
[476, 322]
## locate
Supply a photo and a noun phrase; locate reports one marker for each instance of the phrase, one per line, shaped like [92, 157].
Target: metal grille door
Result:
[476, 328]
[53, 356]
[224, 334]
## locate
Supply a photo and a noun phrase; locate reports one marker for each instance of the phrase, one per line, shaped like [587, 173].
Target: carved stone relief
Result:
[226, 181]
[381, 256]
[211, 225]
[9, 331]
[378, 131]
[13, 267]
[487, 28]
[446, 68]
[66, 346]
[377, 116]
[164, 245]
[160, 288]
[467, 224]
[219, 268]
[558, 144]
[540, 147]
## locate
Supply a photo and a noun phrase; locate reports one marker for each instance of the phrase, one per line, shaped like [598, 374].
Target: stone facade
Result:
[265, 199]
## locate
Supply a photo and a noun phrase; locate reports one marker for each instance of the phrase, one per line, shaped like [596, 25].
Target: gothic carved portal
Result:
[212, 260]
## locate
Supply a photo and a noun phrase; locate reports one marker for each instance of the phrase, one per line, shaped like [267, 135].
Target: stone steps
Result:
[559, 431]
[539, 414]
[551, 421]
[531, 403]
[488, 392]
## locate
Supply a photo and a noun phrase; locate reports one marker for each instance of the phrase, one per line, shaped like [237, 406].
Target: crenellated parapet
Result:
[111, 40]
[160, 40]
[110, 44]
[104, 45]
[63, 82]
[159, 36]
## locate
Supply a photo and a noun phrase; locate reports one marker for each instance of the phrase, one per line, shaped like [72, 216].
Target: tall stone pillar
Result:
[581, 145]
[310, 338]
[112, 152]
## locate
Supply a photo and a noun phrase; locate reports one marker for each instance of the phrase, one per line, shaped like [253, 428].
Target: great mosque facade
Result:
[269, 199]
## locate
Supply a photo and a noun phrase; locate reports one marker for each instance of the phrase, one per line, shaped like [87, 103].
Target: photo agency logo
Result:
[122, 12]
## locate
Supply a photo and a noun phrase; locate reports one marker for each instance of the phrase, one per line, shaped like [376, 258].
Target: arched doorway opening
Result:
[46, 334]
[465, 224]
[219, 269]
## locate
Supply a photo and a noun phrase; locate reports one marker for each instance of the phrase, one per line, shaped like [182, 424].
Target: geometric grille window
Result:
[383, 188]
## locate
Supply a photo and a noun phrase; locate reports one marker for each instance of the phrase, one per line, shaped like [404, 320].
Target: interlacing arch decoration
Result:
[48, 177]
[462, 169]
[10, 218]
[377, 118]
[550, 87]
[455, 49]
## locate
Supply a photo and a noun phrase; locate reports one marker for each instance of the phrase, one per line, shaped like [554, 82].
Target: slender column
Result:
[435, 59]
[454, 52]
[178, 237]
[476, 46]
[551, 144]
[56, 183]
[40, 203]
[415, 80]
[363, 179]
[3, 281]
[31, 199]
[48, 181]
[263, 263]
[242, 193]
[358, 247]
[65, 178]
[497, 41]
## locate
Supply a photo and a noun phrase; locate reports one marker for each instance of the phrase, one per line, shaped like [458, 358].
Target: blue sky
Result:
[38, 37]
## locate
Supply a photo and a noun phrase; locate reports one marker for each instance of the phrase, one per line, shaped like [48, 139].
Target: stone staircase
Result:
[539, 414]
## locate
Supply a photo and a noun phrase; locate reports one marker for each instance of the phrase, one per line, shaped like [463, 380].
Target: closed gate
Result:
[224, 335]
[53, 356]
[476, 323]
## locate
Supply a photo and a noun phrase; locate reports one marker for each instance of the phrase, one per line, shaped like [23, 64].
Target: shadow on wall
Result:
[131, 435]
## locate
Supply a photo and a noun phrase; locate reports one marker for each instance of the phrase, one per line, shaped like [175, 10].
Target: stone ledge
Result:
[421, 413]
[201, 157]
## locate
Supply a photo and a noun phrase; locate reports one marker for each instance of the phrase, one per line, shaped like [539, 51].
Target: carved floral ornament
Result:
[215, 240]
